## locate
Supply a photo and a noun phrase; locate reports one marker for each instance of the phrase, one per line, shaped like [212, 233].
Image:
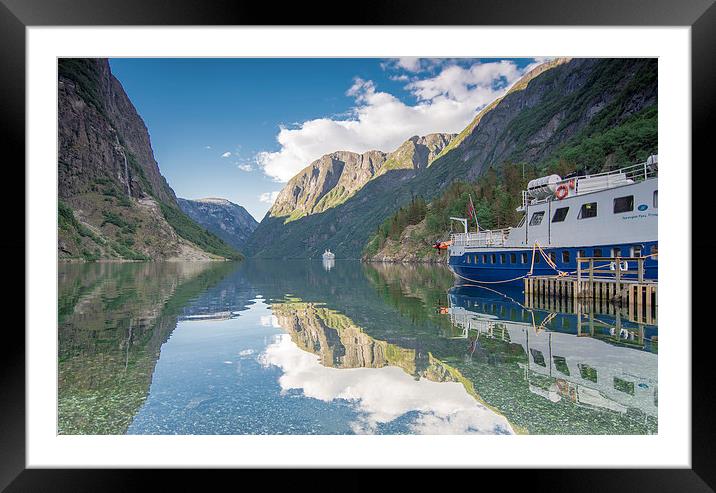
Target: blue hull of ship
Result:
[504, 271]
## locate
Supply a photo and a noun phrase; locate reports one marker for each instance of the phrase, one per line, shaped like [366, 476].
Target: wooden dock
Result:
[599, 279]
[585, 306]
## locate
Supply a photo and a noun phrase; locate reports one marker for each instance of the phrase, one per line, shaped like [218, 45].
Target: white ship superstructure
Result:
[610, 214]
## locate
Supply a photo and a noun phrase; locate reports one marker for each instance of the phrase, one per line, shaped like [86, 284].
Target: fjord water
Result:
[305, 347]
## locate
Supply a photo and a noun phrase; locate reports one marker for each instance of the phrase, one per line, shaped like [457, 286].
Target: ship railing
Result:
[635, 173]
[485, 238]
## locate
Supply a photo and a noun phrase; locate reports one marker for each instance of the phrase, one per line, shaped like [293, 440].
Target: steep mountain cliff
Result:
[578, 113]
[336, 177]
[113, 200]
[230, 222]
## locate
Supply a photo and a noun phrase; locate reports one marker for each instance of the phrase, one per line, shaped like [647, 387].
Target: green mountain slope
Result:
[600, 146]
[571, 113]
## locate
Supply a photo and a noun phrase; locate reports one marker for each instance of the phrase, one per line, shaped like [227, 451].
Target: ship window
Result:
[477, 259]
[656, 199]
[538, 357]
[597, 252]
[502, 258]
[522, 221]
[623, 204]
[537, 218]
[553, 257]
[523, 258]
[560, 214]
[493, 259]
[624, 386]
[636, 251]
[513, 258]
[654, 251]
[560, 362]
[565, 256]
[537, 258]
[467, 259]
[588, 210]
[587, 372]
[484, 259]
[581, 253]
[616, 252]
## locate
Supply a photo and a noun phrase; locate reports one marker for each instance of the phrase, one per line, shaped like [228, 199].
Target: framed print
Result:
[420, 238]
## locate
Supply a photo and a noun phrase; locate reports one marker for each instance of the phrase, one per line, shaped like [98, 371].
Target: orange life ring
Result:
[561, 192]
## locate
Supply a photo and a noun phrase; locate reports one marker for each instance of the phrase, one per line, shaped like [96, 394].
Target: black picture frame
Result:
[16, 15]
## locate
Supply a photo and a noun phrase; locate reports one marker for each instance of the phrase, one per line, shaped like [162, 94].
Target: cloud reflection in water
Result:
[383, 394]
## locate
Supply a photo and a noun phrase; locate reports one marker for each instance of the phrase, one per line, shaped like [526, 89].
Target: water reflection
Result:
[113, 320]
[329, 263]
[548, 372]
[385, 380]
[611, 366]
[293, 347]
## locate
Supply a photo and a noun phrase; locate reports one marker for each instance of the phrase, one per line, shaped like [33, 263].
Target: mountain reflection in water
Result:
[291, 347]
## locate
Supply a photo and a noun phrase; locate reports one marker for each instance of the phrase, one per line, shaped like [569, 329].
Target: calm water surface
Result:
[305, 347]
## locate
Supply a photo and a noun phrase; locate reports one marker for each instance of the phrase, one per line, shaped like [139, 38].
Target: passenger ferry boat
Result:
[611, 214]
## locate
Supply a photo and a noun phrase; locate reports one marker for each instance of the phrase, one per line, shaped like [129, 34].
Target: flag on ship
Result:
[470, 209]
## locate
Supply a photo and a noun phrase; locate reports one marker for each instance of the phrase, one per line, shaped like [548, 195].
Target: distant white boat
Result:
[329, 255]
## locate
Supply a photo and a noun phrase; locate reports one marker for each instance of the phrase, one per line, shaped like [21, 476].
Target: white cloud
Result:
[226, 154]
[399, 78]
[409, 63]
[476, 85]
[268, 197]
[382, 395]
[245, 167]
[446, 102]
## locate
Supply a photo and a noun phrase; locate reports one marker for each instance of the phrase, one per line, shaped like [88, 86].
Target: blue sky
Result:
[240, 128]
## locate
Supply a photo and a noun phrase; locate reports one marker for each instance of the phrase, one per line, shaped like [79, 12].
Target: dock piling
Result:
[595, 283]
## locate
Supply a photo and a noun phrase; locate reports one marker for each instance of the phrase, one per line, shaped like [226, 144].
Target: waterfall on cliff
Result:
[126, 169]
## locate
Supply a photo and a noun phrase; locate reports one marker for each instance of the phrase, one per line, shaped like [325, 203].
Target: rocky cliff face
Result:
[230, 222]
[102, 139]
[418, 152]
[113, 200]
[563, 106]
[326, 182]
[336, 177]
